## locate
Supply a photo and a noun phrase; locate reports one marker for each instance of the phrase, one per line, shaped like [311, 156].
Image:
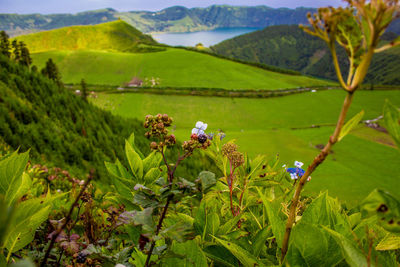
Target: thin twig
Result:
[317, 161]
[67, 220]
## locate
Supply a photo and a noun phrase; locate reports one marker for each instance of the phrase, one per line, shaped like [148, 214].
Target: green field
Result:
[264, 126]
[174, 67]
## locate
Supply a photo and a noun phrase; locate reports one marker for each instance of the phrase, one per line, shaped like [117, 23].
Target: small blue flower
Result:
[298, 172]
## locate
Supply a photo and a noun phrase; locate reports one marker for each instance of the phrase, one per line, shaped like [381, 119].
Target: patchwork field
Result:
[282, 126]
[173, 67]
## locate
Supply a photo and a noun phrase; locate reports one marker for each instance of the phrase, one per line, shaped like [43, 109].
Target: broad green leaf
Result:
[24, 187]
[207, 180]
[241, 254]
[312, 245]
[386, 206]
[390, 242]
[325, 210]
[352, 254]
[221, 255]
[135, 161]
[191, 253]
[23, 263]
[153, 160]
[11, 169]
[131, 141]
[273, 210]
[391, 115]
[260, 239]
[153, 174]
[28, 216]
[139, 258]
[229, 225]
[351, 124]
[6, 214]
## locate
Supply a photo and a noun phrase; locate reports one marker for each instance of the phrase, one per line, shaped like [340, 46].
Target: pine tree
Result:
[16, 50]
[51, 72]
[5, 44]
[26, 59]
[84, 93]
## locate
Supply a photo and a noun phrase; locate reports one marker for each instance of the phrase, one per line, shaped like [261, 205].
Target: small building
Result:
[135, 82]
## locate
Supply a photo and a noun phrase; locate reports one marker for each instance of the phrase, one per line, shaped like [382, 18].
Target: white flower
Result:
[298, 164]
[120, 265]
[284, 166]
[293, 176]
[200, 128]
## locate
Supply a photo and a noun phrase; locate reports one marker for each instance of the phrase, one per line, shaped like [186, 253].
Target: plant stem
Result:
[67, 220]
[159, 225]
[171, 173]
[317, 161]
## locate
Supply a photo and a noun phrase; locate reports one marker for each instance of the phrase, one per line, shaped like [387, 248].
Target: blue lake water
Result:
[207, 38]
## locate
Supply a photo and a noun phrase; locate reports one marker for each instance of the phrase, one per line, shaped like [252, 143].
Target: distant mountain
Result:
[172, 19]
[16, 24]
[289, 47]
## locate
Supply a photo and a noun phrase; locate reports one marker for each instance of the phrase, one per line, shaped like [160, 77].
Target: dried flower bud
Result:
[236, 158]
[229, 148]
[202, 138]
[153, 145]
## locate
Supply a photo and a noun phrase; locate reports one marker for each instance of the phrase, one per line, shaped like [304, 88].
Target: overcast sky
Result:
[73, 6]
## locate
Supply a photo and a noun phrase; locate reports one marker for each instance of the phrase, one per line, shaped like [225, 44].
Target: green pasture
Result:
[173, 67]
[362, 161]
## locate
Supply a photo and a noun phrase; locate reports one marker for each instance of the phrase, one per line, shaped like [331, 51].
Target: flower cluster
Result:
[157, 126]
[297, 172]
[235, 157]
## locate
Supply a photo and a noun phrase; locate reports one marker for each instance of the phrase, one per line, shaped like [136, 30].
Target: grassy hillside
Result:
[173, 67]
[111, 36]
[290, 47]
[267, 126]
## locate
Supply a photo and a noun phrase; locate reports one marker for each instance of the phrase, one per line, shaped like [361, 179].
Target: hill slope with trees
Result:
[287, 46]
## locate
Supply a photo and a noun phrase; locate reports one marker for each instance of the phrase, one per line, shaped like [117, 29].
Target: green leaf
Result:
[386, 206]
[191, 253]
[153, 174]
[273, 210]
[207, 180]
[24, 187]
[134, 160]
[153, 160]
[260, 239]
[131, 141]
[391, 116]
[390, 242]
[351, 124]
[11, 169]
[221, 255]
[241, 254]
[312, 244]
[352, 254]
[23, 263]
[27, 218]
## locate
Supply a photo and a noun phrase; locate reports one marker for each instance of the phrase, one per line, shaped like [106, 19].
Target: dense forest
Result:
[287, 46]
[39, 114]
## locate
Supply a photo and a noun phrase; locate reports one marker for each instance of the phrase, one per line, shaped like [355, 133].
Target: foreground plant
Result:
[357, 28]
[154, 188]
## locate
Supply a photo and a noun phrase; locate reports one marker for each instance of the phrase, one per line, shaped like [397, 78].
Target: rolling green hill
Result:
[289, 47]
[112, 36]
[173, 68]
[283, 125]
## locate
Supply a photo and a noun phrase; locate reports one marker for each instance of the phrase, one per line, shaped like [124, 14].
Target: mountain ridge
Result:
[166, 20]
